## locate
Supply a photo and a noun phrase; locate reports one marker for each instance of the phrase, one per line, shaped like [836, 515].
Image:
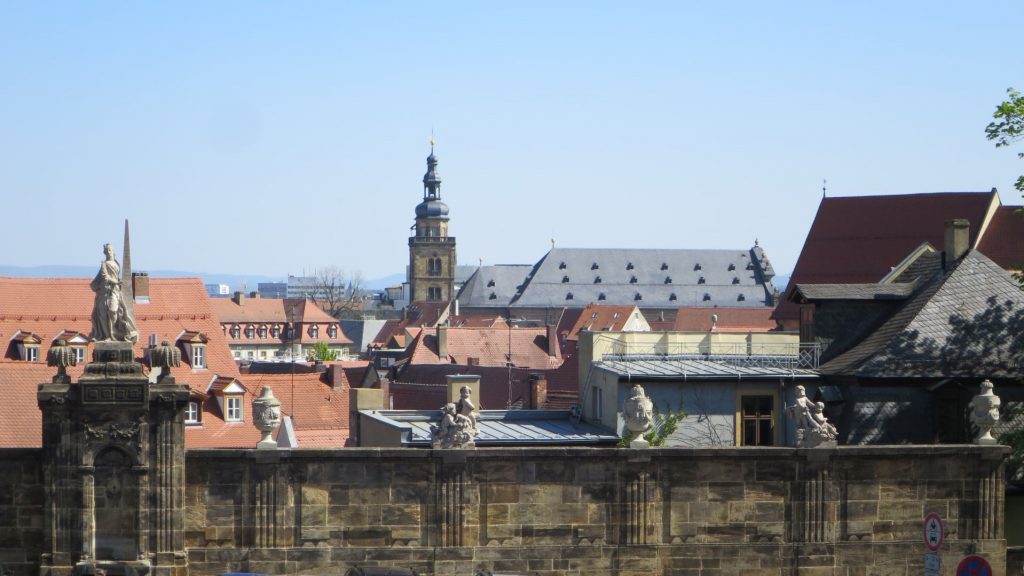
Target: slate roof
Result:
[730, 319]
[859, 239]
[648, 278]
[501, 427]
[968, 322]
[361, 332]
[897, 291]
[493, 286]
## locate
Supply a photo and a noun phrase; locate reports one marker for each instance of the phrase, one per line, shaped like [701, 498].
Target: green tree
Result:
[322, 352]
[1007, 126]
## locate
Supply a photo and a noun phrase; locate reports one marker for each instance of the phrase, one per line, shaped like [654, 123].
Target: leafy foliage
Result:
[1008, 125]
[322, 352]
[1014, 437]
[664, 426]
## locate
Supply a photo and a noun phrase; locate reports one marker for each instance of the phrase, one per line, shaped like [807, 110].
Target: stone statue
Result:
[466, 407]
[812, 427]
[266, 416]
[984, 411]
[455, 430]
[111, 319]
[639, 413]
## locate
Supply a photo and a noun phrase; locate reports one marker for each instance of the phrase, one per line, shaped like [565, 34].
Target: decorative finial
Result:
[552, 242]
[432, 141]
[481, 261]
[756, 243]
[824, 185]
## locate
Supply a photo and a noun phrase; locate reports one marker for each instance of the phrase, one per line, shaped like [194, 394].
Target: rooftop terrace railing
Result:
[763, 354]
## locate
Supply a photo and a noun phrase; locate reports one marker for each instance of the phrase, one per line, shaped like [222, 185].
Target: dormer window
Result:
[199, 356]
[672, 297]
[697, 266]
[561, 265]
[314, 331]
[493, 296]
[568, 296]
[28, 345]
[597, 279]
[565, 279]
[601, 296]
[594, 266]
[707, 297]
[275, 331]
[700, 280]
[490, 283]
[233, 408]
[194, 344]
[632, 279]
[229, 394]
[668, 279]
[332, 331]
[32, 353]
[735, 280]
[629, 266]
[732, 267]
[740, 298]
[664, 265]
[638, 296]
[79, 353]
[263, 331]
[236, 331]
[750, 265]
[250, 331]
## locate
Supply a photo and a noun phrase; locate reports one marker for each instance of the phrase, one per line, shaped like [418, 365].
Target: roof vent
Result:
[565, 279]
[597, 279]
[740, 298]
[601, 296]
[707, 297]
[668, 279]
[664, 265]
[735, 279]
[493, 296]
[701, 280]
[672, 297]
[629, 266]
[594, 266]
[568, 295]
[490, 284]
[632, 279]
[594, 315]
[732, 266]
[561, 266]
[638, 297]
[696, 266]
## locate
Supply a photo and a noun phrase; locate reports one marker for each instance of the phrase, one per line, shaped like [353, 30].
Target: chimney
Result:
[957, 240]
[140, 286]
[552, 340]
[336, 377]
[442, 342]
[538, 391]
[239, 298]
[255, 294]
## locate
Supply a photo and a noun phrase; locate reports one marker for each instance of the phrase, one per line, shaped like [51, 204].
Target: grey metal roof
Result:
[685, 368]
[501, 427]
[361, 332]
[649, 278]
[872, 291]
[966, 323]
[493, 286]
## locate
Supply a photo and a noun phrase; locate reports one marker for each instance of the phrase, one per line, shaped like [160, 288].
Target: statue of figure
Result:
[984, 411]
[110, 318]
[812, 427]
[639, 413]
[465, 405]
[455, 430]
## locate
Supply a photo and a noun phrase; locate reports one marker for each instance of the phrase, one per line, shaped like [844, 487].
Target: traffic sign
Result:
[934, 531]
[974, 566]
[932, 564]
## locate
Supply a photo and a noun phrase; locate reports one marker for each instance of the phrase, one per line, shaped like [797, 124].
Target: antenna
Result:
[824, 184]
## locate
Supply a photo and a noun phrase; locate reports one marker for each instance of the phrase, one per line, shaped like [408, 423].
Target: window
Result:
[673, 296]
[735, 279]
[568, 296]
[757, 423]
[275, 332]
[701, 280]
[601, 296]
[250, 331]
[632, 279]
[31, 353]
[490, 283]
[314, 331]
[597, 279]
[434, 266]
[565, 279]
[638, 296]
[252, 354]
[493, 296]
[629, 266]
[192, 413]
[233, 412]
[263, 354]
[332, 331]
[433, 293]
[732, 267]
[79, 354]
[668, 279]
[594, 266]
[237, 354]
[263, 331]
[664, 265]
[236, 332]
[198, 356]
[595, 403]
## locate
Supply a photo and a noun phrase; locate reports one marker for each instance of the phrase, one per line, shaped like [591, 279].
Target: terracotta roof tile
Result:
[691, 319]
[528, 347]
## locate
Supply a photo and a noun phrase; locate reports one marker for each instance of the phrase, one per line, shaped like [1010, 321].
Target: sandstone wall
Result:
[775, 511]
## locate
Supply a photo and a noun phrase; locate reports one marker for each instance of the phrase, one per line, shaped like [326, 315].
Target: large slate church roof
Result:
[648, 278]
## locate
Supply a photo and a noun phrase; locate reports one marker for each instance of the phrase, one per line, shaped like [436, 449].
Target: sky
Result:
[275, 138]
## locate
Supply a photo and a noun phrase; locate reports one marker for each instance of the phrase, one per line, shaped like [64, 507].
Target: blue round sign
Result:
[973, 566]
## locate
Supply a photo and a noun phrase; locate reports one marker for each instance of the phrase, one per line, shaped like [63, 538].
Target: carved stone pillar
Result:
[88, 514]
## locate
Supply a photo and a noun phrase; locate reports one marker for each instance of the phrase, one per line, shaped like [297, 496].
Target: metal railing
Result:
[761, 354]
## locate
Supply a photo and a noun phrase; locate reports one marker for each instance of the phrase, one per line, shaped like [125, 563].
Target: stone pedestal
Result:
[113, 457]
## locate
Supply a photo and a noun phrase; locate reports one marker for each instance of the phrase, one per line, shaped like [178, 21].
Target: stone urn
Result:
[639, 413]
[984, 411]
[61, 356]
[164, 357]
[266, 416]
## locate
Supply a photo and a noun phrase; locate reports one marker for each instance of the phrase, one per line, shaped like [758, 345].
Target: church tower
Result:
[431, 249]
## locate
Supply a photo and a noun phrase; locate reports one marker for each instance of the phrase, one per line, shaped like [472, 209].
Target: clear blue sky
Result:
[265, 138]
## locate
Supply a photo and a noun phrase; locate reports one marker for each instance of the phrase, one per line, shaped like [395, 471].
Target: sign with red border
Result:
[934, 531]
[973, 566]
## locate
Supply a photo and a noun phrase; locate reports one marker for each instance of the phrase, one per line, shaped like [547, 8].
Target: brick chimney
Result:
[538, 391]
[140, 286]
[442, 342]
[552, 340]
[239, 298]
[957, 239]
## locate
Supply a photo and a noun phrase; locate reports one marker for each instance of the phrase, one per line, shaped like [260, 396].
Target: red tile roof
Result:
[693, 319]
[310, 400]
[272, 311]
[425, 313]
[51, 306]
[1003, 240]
[528, 347]
[859, 239]
[601, 318]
